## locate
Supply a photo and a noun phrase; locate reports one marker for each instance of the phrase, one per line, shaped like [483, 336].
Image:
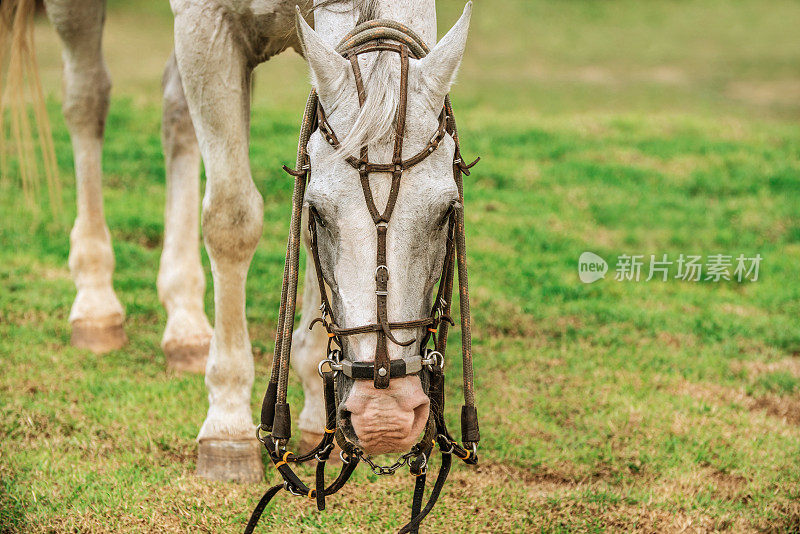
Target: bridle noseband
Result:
[275, 428]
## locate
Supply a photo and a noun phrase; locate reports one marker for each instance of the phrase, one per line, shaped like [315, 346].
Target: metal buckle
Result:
[377, 270]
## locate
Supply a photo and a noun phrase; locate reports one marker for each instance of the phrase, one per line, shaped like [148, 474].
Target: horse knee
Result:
[232, 224]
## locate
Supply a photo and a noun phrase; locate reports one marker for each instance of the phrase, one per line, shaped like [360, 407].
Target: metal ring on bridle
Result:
[335, 366]
[324, 452]
[424, 467]
[259, 437]
[291, 489]
[434, 357]
[452, 446]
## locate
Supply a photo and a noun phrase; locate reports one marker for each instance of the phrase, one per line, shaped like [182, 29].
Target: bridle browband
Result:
[275, 428]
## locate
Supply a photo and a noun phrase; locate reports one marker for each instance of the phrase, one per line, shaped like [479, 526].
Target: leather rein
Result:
[275, 428]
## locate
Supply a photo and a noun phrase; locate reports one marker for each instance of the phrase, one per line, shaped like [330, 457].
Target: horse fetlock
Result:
[186, 340]
[91, 259]
[312, 417]
[227, 421]
[97, 320]
[180, 284]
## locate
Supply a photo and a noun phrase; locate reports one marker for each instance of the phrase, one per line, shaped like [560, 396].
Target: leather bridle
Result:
[275, 428]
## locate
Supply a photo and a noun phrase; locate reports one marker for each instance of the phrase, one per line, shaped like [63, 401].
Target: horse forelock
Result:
[367, 9]
[377, 118]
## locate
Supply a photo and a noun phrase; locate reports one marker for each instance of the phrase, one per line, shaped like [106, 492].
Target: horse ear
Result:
[328, 67]
[440, 66]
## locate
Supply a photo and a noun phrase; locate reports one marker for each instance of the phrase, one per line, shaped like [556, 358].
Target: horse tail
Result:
[18, 72]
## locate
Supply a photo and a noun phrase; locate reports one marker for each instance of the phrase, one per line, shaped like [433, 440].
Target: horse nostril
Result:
[421, 412]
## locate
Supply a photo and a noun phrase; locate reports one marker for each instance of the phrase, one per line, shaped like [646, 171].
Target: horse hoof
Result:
[187, 358]
[98, 338]
[309, 440]
[230, 461]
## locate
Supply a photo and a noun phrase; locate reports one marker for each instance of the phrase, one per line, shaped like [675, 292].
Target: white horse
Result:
[207, 85]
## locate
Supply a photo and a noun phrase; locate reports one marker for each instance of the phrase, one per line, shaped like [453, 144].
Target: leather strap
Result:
[444, 470]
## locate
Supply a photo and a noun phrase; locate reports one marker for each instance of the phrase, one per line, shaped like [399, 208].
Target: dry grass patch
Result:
[784, 407]
[765, 92]
[787, 365]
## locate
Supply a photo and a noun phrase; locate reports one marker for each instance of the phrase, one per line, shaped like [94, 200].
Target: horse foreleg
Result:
[181, 280]
[97, 316]
[216, 81]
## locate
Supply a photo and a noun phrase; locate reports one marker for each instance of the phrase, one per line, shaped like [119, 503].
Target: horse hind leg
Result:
[97, 316]
[181, 280]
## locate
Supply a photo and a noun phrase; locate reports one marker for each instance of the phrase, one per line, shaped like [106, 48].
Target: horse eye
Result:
[317, 217]
[454, 205]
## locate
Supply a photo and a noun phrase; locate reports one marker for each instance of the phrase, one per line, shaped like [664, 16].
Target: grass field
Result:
[617, 127]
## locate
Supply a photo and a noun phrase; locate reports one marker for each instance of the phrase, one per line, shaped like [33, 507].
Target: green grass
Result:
[616, 127]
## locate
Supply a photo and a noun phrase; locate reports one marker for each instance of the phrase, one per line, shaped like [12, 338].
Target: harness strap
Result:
[374, 30]
[376, 327]
[344, 475]
[416, 502]
[255, 517]
[363, 165]
[397, 368]
[320, 485]
[441, 478]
